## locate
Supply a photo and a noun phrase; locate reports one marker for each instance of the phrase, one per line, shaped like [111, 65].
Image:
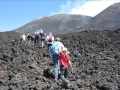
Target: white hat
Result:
[64, 49]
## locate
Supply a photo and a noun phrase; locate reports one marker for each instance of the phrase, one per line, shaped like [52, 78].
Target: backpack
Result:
[42, 35]
[50, 39]
[54, 48]
[77, 54]
[37, 33]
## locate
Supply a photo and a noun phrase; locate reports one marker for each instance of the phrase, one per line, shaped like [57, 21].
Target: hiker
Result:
[43, 37]
[20, 37]
[37, 36]
[29, 37]
[32, 39]
[49, 40]
[64, 62]
[56, 56]
[23, 37]
[77, 53]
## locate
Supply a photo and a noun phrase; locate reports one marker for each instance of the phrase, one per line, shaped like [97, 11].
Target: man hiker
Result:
[56, 56]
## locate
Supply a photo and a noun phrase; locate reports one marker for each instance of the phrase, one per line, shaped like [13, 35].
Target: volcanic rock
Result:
[28, 67]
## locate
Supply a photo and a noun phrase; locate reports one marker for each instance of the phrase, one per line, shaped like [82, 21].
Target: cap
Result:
[57, 39]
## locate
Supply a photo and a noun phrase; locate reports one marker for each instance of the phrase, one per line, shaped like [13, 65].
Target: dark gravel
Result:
[28, 67]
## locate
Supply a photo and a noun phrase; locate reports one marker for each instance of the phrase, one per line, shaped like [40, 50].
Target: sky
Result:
[17, 13]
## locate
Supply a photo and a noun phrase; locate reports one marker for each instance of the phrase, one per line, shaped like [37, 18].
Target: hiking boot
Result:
[67, 81]
[66, 84]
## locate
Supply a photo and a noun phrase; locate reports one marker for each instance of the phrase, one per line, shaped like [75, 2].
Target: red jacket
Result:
[64, 60]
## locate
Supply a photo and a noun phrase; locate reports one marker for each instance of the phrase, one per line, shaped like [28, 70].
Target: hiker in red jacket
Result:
[64, 62]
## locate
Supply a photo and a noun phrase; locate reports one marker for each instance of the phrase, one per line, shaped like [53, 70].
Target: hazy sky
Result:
[16, 13]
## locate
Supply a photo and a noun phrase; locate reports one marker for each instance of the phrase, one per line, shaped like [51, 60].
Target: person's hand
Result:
[59, 49]
[72, 70]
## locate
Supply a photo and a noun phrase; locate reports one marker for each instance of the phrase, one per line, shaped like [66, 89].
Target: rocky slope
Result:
[28, 67]
[108, 19]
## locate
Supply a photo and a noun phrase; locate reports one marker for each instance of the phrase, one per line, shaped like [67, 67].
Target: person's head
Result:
[57, 39]
[65, 50]
[50, 34]
[41, 31]
[37, 30]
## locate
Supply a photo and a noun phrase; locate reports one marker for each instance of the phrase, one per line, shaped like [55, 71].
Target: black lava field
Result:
[28, 67]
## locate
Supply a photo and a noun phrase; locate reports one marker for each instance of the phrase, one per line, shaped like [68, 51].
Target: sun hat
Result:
[65, 50]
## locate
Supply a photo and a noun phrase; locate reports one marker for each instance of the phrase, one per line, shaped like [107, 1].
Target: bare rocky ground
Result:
[28, 67]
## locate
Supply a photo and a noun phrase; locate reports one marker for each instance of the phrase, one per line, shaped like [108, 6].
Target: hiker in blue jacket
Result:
[56, 56]
[37, 36]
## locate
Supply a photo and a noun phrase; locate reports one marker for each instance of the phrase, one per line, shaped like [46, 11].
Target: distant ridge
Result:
[57, 24]
[108, 19]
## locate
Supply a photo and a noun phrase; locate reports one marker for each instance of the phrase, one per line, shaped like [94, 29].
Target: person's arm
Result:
[52, 38]
[46, 38]
[70, 64]
[59, 49]
[62, 46]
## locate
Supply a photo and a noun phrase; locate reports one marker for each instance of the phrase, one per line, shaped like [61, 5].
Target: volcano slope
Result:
[28, 67]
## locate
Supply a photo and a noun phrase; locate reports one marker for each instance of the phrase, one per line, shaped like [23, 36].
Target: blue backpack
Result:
[37, 33]
[54, 48]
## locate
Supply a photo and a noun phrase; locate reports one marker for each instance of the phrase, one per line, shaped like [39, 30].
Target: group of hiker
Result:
[58, 52]
[36, 38]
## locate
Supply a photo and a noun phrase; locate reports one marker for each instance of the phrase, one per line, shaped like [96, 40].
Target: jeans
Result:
[49, 49]
[56, 59]
[37, 40]
[32, 42]
[63, 74]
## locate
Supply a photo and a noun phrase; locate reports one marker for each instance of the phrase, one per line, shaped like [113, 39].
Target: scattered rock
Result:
[28, 67]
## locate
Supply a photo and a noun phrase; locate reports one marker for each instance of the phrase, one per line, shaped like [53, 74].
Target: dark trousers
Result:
[36, 40]
[63, 74]
[49, 49]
